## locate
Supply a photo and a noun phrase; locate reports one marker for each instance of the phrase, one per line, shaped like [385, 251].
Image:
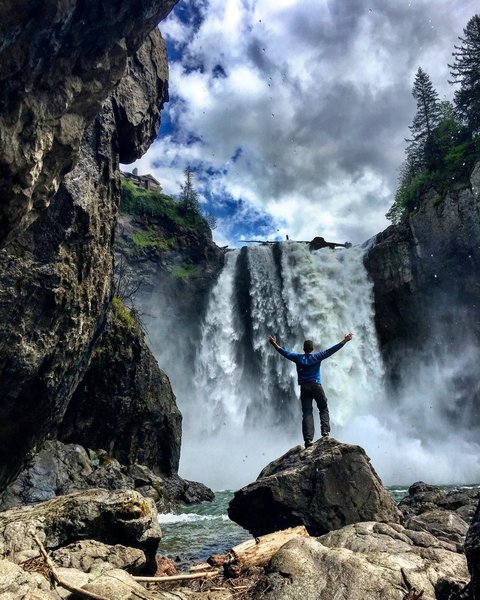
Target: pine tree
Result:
[427, 116]
[465, 70]
[188, 195]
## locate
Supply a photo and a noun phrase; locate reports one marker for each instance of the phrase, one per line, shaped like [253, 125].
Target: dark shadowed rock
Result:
[472, 553]
[325, 487]
[365, 560]
[59, 469]
[56, 276]
[125, 403]
[421, 498]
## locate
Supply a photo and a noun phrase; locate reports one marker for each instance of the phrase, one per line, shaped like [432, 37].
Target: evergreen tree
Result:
[427, 116]
[188, 195]
[211, 219]
[465, 70]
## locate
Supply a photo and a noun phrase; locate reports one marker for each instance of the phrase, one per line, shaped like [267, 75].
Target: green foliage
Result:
[466, 71]
[147, 203]
[124, 315]
[184, 271]
[440, 155]
[151, 240]
[428, 111]
[188, 197]
[407, 196]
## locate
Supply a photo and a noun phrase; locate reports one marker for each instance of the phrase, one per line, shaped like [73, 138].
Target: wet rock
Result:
[325, 487]
[377, 560]
[113, 517]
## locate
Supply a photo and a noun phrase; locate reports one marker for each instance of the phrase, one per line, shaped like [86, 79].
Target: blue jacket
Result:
[308, 365]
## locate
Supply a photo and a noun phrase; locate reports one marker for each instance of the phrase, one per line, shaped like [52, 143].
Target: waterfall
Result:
[245, 409]
[240, 400]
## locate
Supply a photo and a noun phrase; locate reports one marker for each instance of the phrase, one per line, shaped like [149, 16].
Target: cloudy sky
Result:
[293, 114]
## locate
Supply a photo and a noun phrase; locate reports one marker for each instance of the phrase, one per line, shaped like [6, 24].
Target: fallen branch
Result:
[58, 579]
[257, 552]
[184, 577]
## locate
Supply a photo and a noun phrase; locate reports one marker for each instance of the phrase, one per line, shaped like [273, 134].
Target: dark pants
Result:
[308, 392]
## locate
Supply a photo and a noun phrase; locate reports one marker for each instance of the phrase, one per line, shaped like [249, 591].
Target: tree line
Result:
[444, 138]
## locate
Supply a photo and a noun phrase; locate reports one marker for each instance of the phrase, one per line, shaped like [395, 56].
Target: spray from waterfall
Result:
[247, 392]
[240, 399]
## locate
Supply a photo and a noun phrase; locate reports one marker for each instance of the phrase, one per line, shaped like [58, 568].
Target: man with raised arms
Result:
[308, 370]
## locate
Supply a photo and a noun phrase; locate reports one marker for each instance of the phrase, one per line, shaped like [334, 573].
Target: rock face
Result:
[374, 560]
[124, 403]
[324, 488]
[426, 286]
[120, 517]
[59, 62]
[60, 469]
[55, 281]
[175, 282]
[472, 552]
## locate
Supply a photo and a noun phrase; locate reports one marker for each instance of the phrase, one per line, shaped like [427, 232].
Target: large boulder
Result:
[365, 560]
[114, 517]
[324, 487]
[59, 469]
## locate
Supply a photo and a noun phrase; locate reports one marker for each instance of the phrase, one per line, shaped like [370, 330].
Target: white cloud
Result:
[315, 94]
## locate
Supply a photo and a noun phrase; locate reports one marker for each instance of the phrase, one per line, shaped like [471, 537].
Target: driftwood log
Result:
[257, 552]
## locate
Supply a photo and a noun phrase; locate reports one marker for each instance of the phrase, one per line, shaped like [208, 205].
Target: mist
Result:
[240, 400]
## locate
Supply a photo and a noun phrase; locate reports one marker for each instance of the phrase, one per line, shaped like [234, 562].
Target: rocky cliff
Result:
[426, 284]
[124, 403]
[58, 65]
[175, 263]
[59, 61]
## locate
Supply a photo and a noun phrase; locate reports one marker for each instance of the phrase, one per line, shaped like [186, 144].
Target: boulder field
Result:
[364, 545]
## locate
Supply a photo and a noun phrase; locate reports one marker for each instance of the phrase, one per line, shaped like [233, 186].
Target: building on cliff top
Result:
[146, 181]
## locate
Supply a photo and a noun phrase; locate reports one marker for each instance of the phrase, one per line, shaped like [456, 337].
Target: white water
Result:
[247, 393]
[243, 410]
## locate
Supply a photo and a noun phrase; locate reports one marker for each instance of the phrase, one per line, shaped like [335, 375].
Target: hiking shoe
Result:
[325, 435]
[308, 443]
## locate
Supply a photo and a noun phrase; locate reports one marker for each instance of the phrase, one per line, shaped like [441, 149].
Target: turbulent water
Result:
[246, 392]
[242, 409]
[205, 529]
